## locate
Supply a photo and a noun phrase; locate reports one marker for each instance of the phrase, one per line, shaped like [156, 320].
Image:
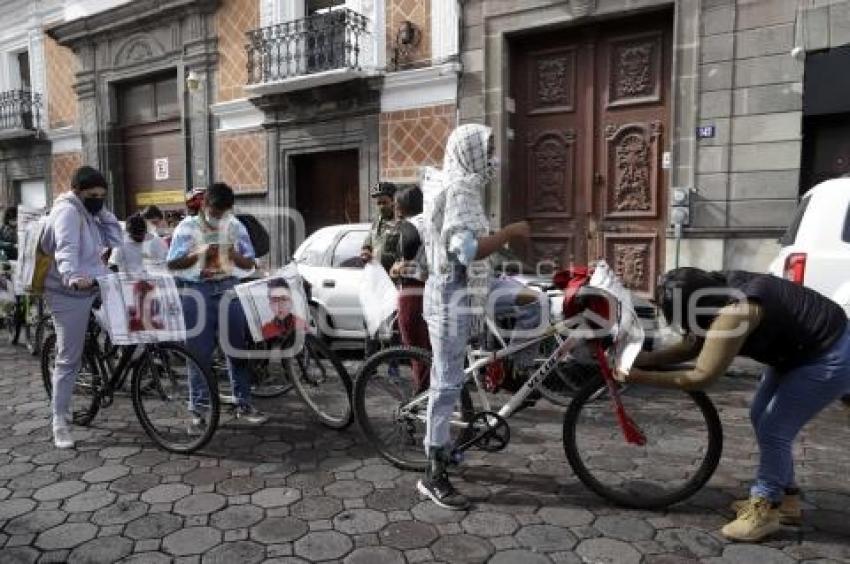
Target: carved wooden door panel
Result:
[549, 149]
[588, 133]
[630, 185]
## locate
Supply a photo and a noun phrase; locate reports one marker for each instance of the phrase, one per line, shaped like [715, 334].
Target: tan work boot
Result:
[756, 520]
[790, 510]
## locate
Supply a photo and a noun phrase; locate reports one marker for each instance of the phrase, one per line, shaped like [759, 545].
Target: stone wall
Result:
[414, 138]
[62, 167]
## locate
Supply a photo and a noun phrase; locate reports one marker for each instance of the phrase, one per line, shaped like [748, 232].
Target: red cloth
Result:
[414, 330]
[571, 281]
[274, 329]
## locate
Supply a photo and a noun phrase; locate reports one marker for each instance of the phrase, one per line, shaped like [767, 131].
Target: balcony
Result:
[20, 113]
[315, 51]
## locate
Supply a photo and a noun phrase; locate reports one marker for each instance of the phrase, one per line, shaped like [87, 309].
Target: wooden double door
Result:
[589, 133]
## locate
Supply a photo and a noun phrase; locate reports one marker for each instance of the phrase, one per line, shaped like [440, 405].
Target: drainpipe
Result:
[459, 60]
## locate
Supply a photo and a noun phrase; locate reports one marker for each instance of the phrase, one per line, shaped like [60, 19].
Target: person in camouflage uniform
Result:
[382, 241]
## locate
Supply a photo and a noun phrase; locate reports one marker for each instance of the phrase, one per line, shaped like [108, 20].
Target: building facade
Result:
[614, 119]
[603, 108]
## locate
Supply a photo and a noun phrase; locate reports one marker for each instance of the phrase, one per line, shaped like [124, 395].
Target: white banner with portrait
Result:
[141, 309]
[275, 306]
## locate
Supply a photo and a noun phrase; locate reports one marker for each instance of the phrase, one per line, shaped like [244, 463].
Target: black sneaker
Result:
[442, 492]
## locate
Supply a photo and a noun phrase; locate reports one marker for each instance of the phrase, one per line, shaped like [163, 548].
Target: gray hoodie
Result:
[76, 240]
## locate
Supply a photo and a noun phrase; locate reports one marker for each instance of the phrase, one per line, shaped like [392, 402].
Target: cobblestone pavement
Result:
[293, 491]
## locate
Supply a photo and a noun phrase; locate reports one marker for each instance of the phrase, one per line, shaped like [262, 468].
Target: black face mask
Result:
[93, 205]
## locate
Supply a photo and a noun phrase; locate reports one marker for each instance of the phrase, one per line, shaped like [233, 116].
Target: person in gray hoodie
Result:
[79, 229]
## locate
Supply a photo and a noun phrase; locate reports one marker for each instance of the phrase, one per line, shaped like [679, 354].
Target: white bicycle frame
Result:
[480, 358]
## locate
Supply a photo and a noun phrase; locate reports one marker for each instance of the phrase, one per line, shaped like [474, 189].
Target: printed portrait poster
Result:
[141, 309]
[275, 306]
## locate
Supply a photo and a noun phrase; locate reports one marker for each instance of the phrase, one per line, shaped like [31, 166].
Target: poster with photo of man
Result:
[275, 306]
[141, 309]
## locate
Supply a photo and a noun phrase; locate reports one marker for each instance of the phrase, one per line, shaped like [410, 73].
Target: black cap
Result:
[87, 177]
[383, 189]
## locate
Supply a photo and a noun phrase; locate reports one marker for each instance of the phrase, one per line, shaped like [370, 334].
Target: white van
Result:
[816, 248]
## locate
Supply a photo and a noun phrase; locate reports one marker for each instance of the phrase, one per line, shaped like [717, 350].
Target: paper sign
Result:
[141, 309]
[160, 169]
[274, 306]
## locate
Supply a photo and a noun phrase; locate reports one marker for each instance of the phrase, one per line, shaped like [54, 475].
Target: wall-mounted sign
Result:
[160, 169]
[705, 132]
[665, 160]
[160, 197]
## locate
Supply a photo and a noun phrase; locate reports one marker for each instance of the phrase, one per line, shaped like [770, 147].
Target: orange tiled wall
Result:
[414, 138]
[234, 18]
[417, 12]
[62, 167]
[61, 66]
[241, 160]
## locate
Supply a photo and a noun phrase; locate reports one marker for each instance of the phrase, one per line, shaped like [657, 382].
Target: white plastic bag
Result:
[378, 296]
[628, 332]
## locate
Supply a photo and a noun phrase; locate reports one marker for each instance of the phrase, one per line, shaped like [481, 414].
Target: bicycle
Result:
[315, 372]
[640, 465]
[159, 388]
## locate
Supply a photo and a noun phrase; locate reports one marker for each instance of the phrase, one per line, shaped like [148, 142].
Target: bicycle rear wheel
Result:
[270, 378]
[85, 398]
[684, 440]
[391, 417]
[176, 416]
[322, 382]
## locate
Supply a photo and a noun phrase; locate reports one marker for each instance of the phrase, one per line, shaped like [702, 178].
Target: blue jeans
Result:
[203, 340]
[784, 402]
[446, 311]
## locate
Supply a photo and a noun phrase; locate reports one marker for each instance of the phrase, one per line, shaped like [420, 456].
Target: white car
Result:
[329, 260]
[816, 247]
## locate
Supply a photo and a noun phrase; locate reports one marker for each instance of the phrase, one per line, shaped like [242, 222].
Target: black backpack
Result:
[257, 232]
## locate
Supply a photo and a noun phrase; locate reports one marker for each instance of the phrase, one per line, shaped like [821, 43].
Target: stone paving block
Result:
[120, 512]
[88, 501]
[11, 508]
[323, 545]
[566, 516]
[200, 504]
[358, 521]
[35, 522]
[689, 542]
[349, 489]
[275, 497]
[432, 513]
[59, 490]
[135, 483]
[624, 528]
[236, 516]
[153, 526]
[242, 552]
[546, 538]
[375, 555]
[203, 475]
[106, 473]
[748, 553]
[608, 550]
[102, 549]
[488, 524]
[33, 480]
[192, 540]
[54, 557]
[408, 535]
[240, 485]
[236, 534]
[312, 508]
[519, 557]
[279, 530]
[462, 548]
[166, 493]
[66, 536]
[19, 555]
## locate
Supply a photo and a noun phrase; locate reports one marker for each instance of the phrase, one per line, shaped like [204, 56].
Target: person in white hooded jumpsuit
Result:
[457, 238]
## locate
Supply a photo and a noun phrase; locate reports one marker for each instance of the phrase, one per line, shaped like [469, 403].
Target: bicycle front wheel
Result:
[85, 397]
[270, 378]
[177, 414]
[322, 382]
[683, 443]
[390, 413]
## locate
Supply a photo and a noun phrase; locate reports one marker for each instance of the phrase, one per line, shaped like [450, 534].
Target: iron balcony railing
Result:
[20, 109]
[315, 44]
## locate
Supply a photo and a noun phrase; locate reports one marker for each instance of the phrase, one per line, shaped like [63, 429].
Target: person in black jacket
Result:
[9, 233]
[802, 337]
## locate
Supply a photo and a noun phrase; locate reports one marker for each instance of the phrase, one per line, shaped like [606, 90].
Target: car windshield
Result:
[312, 251]
[347, 251]
[791, 233]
